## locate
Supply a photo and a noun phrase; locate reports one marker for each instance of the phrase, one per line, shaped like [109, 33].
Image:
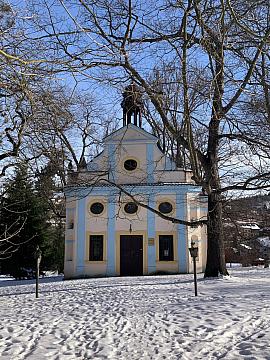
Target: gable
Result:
[131, 143]
[130, 133]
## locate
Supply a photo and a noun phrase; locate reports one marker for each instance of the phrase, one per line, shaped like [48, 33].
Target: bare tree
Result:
[220, 53]
[66, 129]
[22, 69]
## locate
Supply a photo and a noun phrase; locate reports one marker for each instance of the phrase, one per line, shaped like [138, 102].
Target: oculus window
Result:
[165, 247]
[130, 164]
[97, 208]
[131, 208]
[165, 207]
[96, 248]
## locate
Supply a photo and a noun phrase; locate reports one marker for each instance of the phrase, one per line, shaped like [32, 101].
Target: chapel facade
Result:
[110, 227]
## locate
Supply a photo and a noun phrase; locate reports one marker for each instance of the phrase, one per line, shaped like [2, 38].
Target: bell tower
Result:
[132, 105]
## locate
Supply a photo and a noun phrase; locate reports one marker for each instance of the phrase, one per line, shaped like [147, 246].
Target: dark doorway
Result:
[131, 255]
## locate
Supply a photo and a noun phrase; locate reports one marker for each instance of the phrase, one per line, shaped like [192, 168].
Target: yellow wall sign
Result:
[151, 241]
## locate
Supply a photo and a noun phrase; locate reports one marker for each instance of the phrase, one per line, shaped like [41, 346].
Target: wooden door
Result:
[131, 255]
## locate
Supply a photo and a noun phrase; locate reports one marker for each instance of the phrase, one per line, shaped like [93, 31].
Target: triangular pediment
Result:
[130, 133]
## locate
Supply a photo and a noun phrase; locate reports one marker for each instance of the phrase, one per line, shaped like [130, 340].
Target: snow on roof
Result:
[246, 246]
[250, 226]
[96, 185]
[265, 241]
[267, 205]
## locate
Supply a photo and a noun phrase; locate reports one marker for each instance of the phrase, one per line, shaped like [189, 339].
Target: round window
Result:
[165, 207]
[131, 208]
[97, 208]
[130, 164]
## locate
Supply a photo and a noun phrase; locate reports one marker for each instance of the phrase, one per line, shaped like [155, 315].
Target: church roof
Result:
[128, 132]
[133, 185]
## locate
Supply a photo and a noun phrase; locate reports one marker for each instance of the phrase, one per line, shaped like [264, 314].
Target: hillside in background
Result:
[247, 230]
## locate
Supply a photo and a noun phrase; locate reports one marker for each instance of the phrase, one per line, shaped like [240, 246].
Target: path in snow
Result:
[138, 318]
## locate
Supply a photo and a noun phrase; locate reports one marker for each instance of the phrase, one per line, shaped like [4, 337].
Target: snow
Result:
[250, 226]
[137, 318]
[232, 264]
[5, 277]
[265, 241]
[246, 246]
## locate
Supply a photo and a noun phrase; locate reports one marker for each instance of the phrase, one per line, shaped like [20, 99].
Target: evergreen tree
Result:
[24, 222]
[48, 191]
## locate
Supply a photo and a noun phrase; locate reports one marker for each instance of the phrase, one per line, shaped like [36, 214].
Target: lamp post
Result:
[266, 258]
[38, 259]
[194, 253]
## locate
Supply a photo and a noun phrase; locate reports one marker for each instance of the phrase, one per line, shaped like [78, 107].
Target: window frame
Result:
[130, 159]
[171, 255]
[163, 202]
[96, 202]
[91, 251]
[93, 201]
[130, 214]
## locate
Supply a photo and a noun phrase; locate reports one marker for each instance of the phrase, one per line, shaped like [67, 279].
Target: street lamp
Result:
[38, 259]
[194, 253]
[266, 258]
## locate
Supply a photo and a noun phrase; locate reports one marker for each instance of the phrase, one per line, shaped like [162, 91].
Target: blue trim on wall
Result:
[111, 161]
[111, 236]
[151, 233]
[182, 246]
[150, 162]
[80, 237]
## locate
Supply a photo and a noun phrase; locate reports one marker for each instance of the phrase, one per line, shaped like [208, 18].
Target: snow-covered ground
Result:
[264, 240]
[138, 318]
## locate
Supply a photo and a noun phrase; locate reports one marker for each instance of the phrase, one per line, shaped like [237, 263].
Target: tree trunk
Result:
[215, 249]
